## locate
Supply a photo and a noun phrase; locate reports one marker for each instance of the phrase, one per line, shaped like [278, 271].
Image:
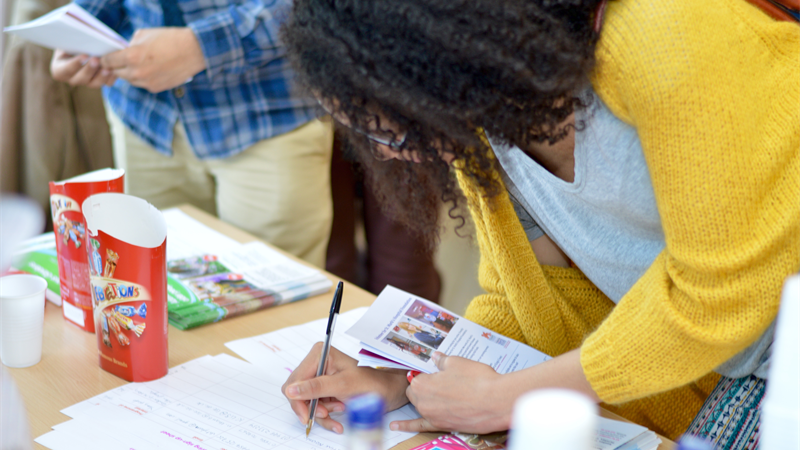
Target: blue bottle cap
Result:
[365, 411]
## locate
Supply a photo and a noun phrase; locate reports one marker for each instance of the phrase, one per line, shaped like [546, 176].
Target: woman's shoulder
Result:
[648, 49]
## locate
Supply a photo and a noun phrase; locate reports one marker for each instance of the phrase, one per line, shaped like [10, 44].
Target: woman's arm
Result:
[723, 159]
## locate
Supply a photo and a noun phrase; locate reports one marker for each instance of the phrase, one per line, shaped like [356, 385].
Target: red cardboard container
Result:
[66, 198]
[127, 242]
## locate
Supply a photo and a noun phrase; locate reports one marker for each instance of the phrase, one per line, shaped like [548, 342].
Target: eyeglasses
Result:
[388, 141]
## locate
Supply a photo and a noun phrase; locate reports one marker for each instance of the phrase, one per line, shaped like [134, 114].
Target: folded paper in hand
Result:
[72, 29]
[401, 331]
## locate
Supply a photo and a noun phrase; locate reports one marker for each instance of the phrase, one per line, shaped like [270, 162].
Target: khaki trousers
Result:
[278, 190]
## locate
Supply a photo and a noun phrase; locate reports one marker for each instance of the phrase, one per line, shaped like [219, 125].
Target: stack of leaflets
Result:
[72, 29]
[211, 277]
[37, 256]
[402, 331]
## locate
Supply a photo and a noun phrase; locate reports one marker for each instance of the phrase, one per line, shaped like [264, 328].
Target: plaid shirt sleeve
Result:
[241, 37]
[110, 12]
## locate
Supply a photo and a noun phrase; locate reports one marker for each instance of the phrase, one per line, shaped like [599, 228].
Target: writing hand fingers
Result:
[330, 424]
[300, 409]
[310, 389]
[321, 415]
[306, 369]
[331, 405]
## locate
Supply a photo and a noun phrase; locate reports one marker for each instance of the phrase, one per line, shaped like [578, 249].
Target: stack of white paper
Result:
[72, 29]
[616, 435]
[403, 331]
[210, 403]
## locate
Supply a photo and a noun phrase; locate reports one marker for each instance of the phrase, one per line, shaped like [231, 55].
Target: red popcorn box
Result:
[66, 198]
[127, 242]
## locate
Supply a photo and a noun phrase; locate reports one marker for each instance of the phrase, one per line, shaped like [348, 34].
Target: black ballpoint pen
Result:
[337, 302]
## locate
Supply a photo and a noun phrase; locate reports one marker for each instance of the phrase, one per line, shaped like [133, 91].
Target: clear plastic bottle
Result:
[365, 420]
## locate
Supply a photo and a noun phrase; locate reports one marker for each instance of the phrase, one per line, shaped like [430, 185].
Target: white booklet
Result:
[72, 29]
[401, 330]
[615, 435]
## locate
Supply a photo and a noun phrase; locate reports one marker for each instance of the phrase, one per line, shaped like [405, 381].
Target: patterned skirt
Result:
[730, 416]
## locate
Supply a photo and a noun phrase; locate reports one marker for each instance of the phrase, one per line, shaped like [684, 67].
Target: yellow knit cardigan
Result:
[713, 90]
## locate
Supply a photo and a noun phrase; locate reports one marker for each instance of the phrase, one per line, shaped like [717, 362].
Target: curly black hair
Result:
[439, 70]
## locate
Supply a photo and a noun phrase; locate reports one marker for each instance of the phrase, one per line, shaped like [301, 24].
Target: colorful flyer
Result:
[66, 198]
[127, 241]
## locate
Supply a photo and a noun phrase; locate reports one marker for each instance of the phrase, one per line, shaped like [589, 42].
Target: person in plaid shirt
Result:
[201, 111]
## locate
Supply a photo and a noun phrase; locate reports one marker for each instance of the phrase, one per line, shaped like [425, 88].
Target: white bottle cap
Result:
[553, 419]
[780, 411]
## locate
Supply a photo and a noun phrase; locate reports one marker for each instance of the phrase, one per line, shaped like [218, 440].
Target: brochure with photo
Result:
[401, 330]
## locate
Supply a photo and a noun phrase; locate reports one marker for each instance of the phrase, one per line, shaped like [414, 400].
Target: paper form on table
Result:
[287, 347]
[210, 403]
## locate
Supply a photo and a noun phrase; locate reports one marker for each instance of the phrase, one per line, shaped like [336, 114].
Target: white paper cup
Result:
[21, 319]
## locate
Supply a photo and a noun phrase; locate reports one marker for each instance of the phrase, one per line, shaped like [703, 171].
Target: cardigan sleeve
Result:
[718, 115]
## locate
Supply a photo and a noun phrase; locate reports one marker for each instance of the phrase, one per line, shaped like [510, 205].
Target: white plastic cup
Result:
[553, 419]
[21, 319]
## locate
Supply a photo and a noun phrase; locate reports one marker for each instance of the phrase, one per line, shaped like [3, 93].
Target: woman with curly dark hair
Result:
[631, 170]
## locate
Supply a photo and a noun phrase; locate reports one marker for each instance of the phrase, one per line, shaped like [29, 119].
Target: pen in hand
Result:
[337, 302]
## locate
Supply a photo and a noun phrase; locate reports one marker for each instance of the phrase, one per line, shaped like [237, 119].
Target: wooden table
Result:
[69, 372]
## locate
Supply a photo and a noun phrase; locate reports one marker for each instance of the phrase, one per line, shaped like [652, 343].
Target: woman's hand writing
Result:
[343, 379]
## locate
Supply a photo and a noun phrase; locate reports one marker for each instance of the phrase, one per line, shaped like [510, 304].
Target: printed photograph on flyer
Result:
[420, 332]
[405, 345]
[432, 316]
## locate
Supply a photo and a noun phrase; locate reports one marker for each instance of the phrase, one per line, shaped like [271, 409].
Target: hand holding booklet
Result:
[72, 29]
[402, 331]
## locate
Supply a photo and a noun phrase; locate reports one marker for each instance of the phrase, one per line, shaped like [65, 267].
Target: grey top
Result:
[607, 219]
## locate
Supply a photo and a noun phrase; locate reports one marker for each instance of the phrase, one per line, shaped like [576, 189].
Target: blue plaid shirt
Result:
[242, 97]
